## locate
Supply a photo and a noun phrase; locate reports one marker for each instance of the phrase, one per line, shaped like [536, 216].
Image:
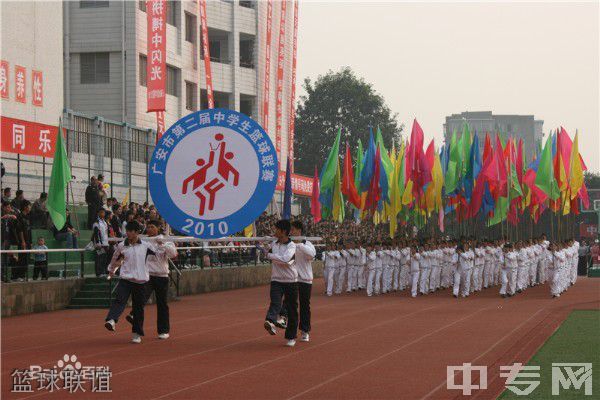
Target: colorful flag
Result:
[59, 179]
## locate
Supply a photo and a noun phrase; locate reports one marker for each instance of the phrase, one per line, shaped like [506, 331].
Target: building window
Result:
[143, 5]
[246, 51]
[247, 4]
[172, 81]
[190, 28]
[172, 8]
[190, 96]
[95, 67]
[93, 4]
[143, 70]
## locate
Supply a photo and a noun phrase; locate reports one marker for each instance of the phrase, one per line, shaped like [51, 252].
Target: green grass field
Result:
[578, 341]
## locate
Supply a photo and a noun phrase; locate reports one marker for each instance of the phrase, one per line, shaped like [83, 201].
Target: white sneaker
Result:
[163, 336]
[305, 337]
[135, 338]
[270, 327]
[291, 343]
[110, 325]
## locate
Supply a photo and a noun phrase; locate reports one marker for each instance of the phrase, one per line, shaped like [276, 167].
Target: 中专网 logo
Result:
[213, 173]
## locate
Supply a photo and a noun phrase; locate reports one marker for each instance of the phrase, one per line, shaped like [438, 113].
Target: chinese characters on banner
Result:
[28, 138]
[20, 90]
[301, 185]
[293, 94]
[156, 65]
[160, 124]
[4, 79]
[279, 89]
[206, 53]
[37, 84]
[267, 82]
[37, 88]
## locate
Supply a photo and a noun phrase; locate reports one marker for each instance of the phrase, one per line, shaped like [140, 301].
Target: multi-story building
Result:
[105, 55]
[31, 83]
[524, 127]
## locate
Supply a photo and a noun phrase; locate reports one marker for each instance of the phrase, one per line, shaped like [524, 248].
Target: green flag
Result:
[454, 163]
[500, 212]
[60, 177]
[545, 174]
[328, 178]
[385, 158]
[359, 163]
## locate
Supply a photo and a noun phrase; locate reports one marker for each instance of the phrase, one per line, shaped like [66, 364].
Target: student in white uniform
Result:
[131, 255]
[371, 268]
[342, 267]
[362, 269]
[435, 259]
[284, 286]
[305, 254]
[425, 265]
[397, 257]
[405, 279]
[479, 254]
[331, 261]
[415, 269]
[465, 262]
[387, 268]
[378, 267]
[509, 261]
[158, 269]
[352, 266]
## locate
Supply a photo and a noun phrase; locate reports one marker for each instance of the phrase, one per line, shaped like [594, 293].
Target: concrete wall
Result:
[37, 296]
[219, 279]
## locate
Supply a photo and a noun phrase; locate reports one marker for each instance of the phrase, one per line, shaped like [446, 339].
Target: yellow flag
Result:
[249, 230]
[576, 181]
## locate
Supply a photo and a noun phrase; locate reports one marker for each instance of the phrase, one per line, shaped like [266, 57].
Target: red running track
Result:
[385, 347]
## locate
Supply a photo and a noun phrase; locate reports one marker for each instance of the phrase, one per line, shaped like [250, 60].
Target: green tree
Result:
[592, 179]
[339, 100]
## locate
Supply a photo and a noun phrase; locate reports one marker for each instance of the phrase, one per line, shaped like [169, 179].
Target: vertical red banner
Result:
[156, 72]
[37, 88]
[160, 124]
[279, 92]
[206, 53]
[4, 79]
[267, 81]
[293, 91]
[20, 81]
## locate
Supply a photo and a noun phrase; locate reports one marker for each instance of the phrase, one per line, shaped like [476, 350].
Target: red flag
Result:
[348, 186]
[487, 147]
[519, 162]
[315, 206]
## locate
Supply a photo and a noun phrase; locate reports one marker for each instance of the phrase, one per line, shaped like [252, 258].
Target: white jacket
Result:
[158, 263]
[134, 257]
[305, 253]
[283, 267]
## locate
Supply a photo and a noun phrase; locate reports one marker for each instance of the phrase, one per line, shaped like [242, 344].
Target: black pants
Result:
[288, 293]
[304, 291]
[40, 267]
[138, 299]
[160, 286]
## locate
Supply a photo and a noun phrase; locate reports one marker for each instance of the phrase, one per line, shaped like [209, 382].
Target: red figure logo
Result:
[199, 178]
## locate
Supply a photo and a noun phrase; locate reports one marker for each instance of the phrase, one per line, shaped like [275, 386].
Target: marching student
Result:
[284, 287]
[397, 257]
[330, 258]
[133, 277]
[371, 268]
[405, 266]
[508, 270]
[158, 269]
[415, 270]
[342, 266]
[362, 269]
[387, 268]
[479, 255]
[425, 265]
[305, 254]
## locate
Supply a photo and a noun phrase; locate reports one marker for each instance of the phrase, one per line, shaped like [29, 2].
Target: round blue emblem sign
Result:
[213, 173]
